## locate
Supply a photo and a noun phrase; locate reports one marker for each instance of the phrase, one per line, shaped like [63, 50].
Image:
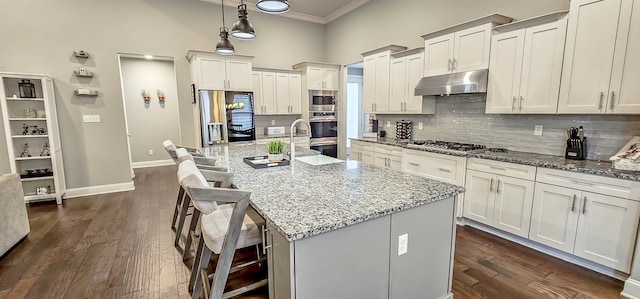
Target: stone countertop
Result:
[286, 136]
[405, 144]
[302, 200]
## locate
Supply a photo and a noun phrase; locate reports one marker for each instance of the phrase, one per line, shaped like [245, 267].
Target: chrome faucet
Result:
[293, 146]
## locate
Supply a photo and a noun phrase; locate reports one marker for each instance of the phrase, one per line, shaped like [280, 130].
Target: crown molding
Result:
[292, 14]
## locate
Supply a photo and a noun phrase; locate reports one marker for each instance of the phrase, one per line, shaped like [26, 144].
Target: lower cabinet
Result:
[593, 226]
[388, 157]
[362, 151]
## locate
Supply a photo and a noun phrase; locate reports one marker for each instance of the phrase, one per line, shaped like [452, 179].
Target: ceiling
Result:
[317, 11]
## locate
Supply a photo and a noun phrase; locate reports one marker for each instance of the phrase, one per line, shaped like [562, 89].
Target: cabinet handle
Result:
[491, 185]
[521, 99]
[584, 206]
[613, 97]
[375, 106]
[498, 168]
[498, 186]
[264, 241]
[513, 103]
[444, 170]
[449, 67]
[371, 106]
[454, 65]
[414, 164]
[573, 204]
[601, 100]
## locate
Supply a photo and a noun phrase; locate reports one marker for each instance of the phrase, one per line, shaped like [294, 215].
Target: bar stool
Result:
[224, 228]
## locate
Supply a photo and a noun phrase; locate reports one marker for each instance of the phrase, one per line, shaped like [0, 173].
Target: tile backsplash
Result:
[263, 121]
[462, 119]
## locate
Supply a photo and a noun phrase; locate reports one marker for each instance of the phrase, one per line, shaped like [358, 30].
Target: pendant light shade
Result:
[242, 29]
[224, 46]
[273, 6]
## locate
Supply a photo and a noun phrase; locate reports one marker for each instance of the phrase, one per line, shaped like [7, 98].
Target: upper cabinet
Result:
[460, 48]
[406, 72]
[320, 76]
[211, 71]
[277, 92]
[526, 64]
[375, 79]
[600, 61]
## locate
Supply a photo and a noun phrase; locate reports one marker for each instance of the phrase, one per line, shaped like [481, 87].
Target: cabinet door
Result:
[415, 69]
[380, 160]
[331, 79]
[505, 71]
[280, 265]
[624, 97]
[383, 61]
[438, 55]
[269, 92]
[239, 75]
[315, 78]
[397, 85]
[471, 48]
[295, 93]
[512, 209]
[607, 230]
[258, 105]
[212, 73]
[282, 93]
[586, 72]
[367, 157]
[355, 152]
[541, 67]
[395, 162]
[554, 219]
[479, 197]
[368, 84]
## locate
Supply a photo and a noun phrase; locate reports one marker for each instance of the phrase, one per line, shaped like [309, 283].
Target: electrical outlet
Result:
[538, 130]
[388, 124]
[91, 118]
[150, 152]
[273, 122]
[419, 125]
[403, 244]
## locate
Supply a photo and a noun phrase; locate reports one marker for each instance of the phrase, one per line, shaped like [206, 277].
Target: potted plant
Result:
[275, 148]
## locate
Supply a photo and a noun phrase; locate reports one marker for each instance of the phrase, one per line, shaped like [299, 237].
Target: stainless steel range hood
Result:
[457, 83]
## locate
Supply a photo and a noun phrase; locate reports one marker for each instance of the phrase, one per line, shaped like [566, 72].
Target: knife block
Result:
[576, 149]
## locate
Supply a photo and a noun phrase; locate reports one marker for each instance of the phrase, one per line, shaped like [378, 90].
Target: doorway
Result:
[150, 96]
[354, 103]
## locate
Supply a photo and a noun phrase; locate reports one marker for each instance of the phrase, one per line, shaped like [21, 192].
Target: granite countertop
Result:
[405, 144]
[601, 168]
[262, 136]
[302, 200]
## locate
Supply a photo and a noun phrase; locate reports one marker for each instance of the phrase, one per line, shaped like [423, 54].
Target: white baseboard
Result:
[152, 163]
[447, 296]
[631, 289]
[101, 189]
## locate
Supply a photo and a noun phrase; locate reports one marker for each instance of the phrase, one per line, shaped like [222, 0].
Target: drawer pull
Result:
[498, 186]
[264, 241]
[414, 164]
[584, 206]
[498, 168]
[581, 183]
[444, 170]
[491, 185]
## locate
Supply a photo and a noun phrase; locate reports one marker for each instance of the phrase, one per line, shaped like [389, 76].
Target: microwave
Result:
[323, 103]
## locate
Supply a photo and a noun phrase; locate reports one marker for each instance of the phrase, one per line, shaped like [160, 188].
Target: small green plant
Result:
[275, 147]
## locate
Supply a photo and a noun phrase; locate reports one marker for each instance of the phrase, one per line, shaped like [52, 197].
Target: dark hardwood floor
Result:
[121, 246]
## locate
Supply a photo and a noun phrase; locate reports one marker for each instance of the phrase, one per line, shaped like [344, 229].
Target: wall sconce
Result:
[146, 96]
[160, 96]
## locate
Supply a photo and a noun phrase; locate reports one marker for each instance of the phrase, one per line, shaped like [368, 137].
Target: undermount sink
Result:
[318, 160]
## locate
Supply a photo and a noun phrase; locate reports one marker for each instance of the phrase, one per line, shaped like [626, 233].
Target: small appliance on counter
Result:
[404, 130]
[628, 158]
[576, 144]
[275, 131]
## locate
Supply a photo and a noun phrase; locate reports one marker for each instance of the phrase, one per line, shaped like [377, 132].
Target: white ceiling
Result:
[317, 11]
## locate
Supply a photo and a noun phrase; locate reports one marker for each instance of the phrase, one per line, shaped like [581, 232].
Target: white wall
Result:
[382, 22]
[39, 36]
[150, 124]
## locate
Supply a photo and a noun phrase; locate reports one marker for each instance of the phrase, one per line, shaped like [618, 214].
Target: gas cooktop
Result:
[454, 146]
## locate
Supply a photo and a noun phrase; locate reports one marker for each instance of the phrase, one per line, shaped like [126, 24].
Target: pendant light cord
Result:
[222, 8]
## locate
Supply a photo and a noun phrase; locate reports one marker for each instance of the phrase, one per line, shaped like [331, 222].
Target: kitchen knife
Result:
[581, 133]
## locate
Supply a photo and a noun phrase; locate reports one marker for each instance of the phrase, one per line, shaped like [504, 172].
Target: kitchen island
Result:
[349, 230]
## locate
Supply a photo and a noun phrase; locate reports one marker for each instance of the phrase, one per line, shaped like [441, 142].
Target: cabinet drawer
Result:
[388, 149]
[365, 146]
[591, 183]
[440, 167]
[525, 172]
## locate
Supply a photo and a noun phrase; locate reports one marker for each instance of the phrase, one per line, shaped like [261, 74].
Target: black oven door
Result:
[324, 128]
[326, 146]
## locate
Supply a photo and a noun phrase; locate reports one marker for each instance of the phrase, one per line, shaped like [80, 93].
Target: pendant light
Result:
[242, 29]
[273, 6]
[224, 46]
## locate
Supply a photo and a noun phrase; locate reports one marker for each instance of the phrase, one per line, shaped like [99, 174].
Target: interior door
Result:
[438, 55]
[513, 203]
[239, 75]
[624, 96]
[607, 230]
[479, 197]
[398, 85]
[554, 219]
[415, 70]
[505, 71]
[471, 48]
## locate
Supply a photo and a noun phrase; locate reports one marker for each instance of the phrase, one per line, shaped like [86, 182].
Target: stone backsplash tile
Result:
[263, 121]
[462, 119]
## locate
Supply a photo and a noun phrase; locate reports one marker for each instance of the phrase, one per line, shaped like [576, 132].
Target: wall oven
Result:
[326, 146]
[323, 128]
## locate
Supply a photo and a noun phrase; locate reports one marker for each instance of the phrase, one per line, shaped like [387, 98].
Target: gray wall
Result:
[42, 39]
[462, 119]
[382, 22]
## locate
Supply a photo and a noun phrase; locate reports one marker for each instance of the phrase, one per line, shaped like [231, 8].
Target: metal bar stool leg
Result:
[176, 211]
[196, 262]
[191, 234]
[183, 216]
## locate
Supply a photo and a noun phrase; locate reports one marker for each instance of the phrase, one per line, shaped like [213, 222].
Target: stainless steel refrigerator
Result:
[226, 116]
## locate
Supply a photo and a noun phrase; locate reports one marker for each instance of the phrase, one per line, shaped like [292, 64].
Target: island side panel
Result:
[424, 270]
[280, 266]
[351, 262]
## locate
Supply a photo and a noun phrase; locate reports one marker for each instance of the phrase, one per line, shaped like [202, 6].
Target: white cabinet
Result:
[599, 67]
[362, 151]
[264, 95]
[388, 157]
[438, 55]
[376, 79]
[406, 72]
[214, 72]
[525, 66]
[593, 226]
[461, 51]
[288, 93]
[31, 126]
[322, 78]
[500, 201]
